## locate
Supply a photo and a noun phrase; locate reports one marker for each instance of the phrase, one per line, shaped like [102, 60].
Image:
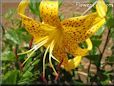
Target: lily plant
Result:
[61, 37]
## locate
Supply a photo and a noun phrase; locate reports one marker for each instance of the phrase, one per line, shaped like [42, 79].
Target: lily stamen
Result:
[55, 59]
[50, 56]
[89, 8]
[44, 57]
[34, 49]
[50, 49]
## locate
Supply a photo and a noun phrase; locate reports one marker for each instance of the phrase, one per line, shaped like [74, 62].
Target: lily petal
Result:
[83, 30]
[35, 28]
[73, 63]
[101, 8]
[93, 29]
[69, 64]
[76, 27]
[49, 12]
[22, 6]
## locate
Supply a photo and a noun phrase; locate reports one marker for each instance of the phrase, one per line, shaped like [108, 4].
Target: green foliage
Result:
[61, 16]
[110, 17]
[111, 59]
[100, 31]
[8, 55]
[10, 14]
[110, 22]
[11, 77]
[96, 41]
[34, 6]
[60, 3]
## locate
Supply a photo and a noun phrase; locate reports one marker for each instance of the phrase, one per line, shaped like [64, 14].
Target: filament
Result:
[89, 8]
[44, 61]
[50, 55]
[36, 48]
[55, 58]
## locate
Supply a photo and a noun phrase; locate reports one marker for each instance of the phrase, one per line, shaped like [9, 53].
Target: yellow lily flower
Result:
[62, 37]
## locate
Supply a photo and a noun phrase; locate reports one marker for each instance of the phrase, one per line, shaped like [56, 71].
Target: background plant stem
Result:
[104, 48]
[100, 58]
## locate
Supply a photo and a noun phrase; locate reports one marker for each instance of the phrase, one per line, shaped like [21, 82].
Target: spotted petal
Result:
[76, 27]
[49, 12]
[77, 30]
[35, 28]
[61, 54]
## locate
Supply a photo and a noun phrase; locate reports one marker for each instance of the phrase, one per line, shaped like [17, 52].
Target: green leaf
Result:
[100, 31]
[9, 14]
[28, 65]
[112, 33]
[26, 78]
[110, 17]
[94, 59]
[93, 8]
[94, 51]
[11, 77]
[12, 35]
[111, 59]
[8, 56]
[104, 77]
[23, 35]
[109, 12]
[60, 3]
[61, 16]
[17, 36]
[110, 22]
[34, 6]
[107, 1]
[35, 62]
[96, 41]
[27, 74]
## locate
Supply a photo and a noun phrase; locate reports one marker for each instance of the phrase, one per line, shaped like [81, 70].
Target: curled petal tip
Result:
[101, 8]
[89, 43]
[22, 6]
